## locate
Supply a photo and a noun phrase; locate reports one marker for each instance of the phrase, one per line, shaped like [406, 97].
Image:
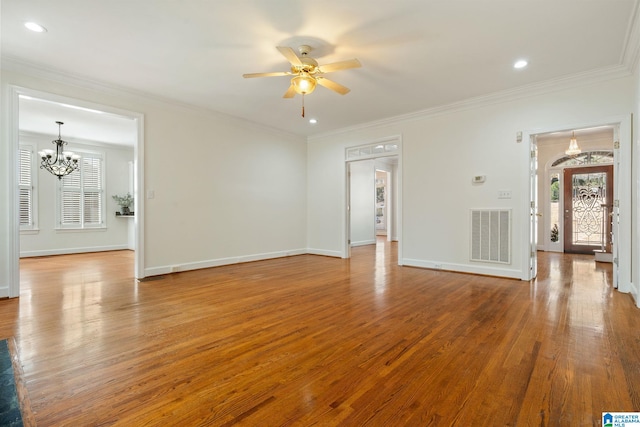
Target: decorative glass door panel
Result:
[555, 210]
[588, 194]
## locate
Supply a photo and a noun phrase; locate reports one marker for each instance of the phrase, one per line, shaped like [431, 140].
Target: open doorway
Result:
[383, 194]
[576, 200]
[108, 141]
[582, 200]
[373, 195]
[373, 201]
[386, 198]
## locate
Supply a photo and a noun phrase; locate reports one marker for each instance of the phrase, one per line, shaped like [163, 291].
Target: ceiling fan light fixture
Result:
[303, 84]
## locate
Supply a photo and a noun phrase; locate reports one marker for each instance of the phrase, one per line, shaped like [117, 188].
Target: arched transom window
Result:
[585, 159]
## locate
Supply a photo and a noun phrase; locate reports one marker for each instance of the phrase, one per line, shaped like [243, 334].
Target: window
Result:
[26, 188]
[82, 194]
[373, 150]
[585, 159]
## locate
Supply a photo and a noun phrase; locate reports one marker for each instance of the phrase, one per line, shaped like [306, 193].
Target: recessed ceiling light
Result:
[35, 27]
[313, 121]
[520, 64]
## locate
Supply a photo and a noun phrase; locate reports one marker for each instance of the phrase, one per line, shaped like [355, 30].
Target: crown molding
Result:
[631, 54]
[522, 92]
[16, 65]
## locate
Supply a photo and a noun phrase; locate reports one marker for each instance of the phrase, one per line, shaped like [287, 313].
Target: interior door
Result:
[588, 202]
[347, 248]
[533, 209]
[615, 211]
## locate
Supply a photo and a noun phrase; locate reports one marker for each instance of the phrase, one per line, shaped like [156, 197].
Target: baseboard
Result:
[464, 268]
[67, 251]
[4, 292]
[461, 268]
[324, 252]
[363, 243]
[176, 268]
[602, 256]
[633, 290]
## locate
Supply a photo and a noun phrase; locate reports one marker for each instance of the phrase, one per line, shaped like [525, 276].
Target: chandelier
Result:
[573, 146]
[63, 163]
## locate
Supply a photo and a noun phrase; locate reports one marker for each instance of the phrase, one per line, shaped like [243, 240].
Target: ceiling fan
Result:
[307, 73]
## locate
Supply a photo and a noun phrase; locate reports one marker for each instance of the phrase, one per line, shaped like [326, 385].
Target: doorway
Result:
[373, 183]
[383, 195]
[372, 202]
[51, 107]
[549, 147]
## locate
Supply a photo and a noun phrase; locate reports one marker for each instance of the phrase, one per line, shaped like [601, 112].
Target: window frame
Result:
[82, 189]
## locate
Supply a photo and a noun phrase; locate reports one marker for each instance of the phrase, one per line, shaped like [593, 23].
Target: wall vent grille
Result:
[491, 235]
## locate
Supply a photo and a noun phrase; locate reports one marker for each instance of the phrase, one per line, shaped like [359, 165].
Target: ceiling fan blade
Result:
[290, 93]
[330, 84]
[342, 65]
[291, 56]
[274, 74]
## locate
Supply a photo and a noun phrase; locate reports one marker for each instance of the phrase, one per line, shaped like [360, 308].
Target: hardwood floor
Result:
[310, 340]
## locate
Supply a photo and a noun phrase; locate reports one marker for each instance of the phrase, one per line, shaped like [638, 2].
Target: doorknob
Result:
[538, 214]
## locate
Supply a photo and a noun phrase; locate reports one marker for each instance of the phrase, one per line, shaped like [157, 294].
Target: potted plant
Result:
[124, 202]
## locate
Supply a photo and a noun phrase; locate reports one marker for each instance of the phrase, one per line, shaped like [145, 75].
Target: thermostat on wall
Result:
[478, 179]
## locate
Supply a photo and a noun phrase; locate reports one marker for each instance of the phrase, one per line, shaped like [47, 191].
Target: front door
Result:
[588, 200]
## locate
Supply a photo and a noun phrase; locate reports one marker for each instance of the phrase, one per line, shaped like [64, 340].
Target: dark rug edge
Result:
[28, 420]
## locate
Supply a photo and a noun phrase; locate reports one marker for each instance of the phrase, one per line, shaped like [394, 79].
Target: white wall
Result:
[226, 190]
[441, 152]
[363, 207]
[46, 240]
[241, 197]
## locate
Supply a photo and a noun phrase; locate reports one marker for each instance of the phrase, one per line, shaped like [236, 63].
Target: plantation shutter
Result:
[71, 199]
[71, 208]
[82, 195]
[92, 174]
[26, 187]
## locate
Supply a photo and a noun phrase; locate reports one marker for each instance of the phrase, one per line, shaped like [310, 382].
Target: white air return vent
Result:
[491, 235]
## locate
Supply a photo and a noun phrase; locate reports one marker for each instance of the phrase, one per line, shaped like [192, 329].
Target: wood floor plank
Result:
[311, 340]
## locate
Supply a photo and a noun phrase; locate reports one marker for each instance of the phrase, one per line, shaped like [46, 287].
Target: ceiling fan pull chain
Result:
[303, 105]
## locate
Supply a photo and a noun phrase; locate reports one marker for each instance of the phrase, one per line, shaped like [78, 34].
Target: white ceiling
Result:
[415, 54]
